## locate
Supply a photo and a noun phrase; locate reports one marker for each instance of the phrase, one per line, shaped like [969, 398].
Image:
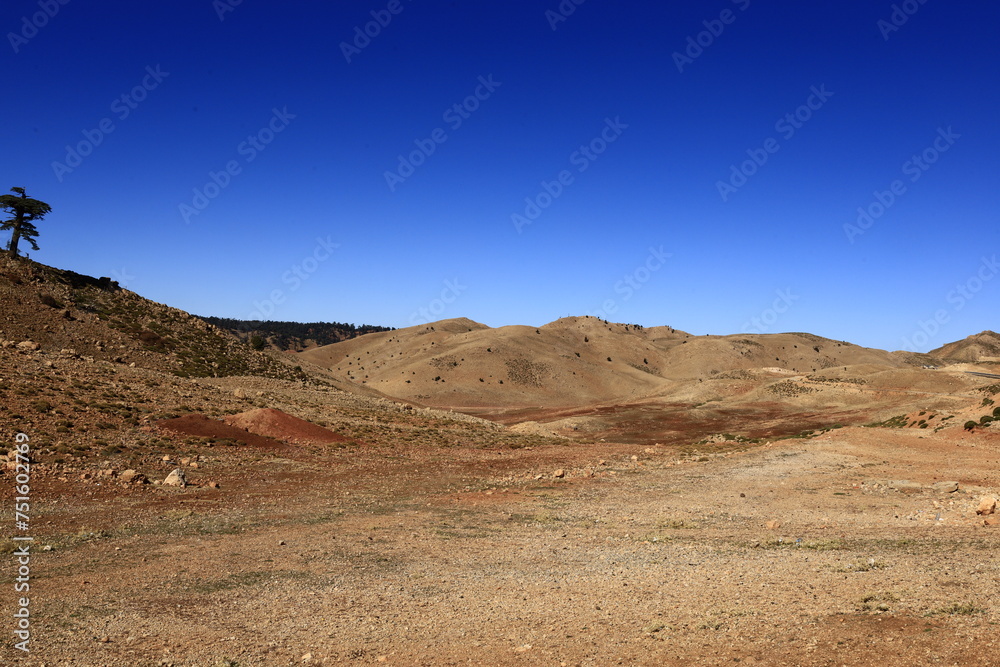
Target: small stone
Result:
[130, 476]
[193, 464]
[743, 495]
[28, 346]
[987, 505]
[213, 485]
[241, 394]
[166, 458]
[559, 473]
[635, 457]
[185, 461]
[991, 521]
[307, 657]
[176, 478]
[281, 543]
[772, 525]
[945, 487]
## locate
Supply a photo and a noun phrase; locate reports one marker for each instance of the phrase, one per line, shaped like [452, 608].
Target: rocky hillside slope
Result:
[572, 361]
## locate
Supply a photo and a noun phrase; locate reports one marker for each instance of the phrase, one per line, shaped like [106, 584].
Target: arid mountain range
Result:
[583, 492]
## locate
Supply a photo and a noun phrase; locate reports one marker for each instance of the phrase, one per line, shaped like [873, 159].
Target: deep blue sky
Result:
[776, 243]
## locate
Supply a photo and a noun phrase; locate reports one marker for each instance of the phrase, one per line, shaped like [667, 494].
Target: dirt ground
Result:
[573, 554]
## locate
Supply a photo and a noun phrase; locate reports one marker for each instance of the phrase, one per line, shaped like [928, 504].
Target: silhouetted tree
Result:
[26, 210]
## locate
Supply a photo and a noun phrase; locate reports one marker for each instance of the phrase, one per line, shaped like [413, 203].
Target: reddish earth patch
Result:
[201, 426]
[283, 426]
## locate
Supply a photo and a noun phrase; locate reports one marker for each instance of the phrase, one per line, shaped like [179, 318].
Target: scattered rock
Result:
[28, 346]
[987, 505]
[945, 487]
[133, 477]
[176, 478]
[241, 394]
[559, 473]
[772, 525]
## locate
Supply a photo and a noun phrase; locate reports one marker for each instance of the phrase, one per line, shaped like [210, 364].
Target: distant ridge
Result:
[572, 361]
[293, 336]
[977, 347]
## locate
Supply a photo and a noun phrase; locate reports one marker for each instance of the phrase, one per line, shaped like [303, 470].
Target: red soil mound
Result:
[204, 427]
[283, 426]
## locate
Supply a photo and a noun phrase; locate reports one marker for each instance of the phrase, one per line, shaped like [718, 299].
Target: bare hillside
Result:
[570, 362]
[983, 346]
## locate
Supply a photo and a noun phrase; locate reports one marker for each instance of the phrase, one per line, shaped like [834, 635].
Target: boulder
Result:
[176, 478]
[132, 477]
[987, 505]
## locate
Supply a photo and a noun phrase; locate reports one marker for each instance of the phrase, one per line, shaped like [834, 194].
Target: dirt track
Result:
[426, 556]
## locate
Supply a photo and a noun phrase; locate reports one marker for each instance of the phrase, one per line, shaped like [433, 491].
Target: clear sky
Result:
[698, 164]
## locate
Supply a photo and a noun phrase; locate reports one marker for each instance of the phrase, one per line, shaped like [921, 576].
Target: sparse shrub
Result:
[969, 425]
[996, 412]
[257, 342]
[41, 406]
[985, 419]
[50, 301]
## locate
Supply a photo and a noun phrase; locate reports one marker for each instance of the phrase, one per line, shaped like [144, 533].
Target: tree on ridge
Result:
[26, 211]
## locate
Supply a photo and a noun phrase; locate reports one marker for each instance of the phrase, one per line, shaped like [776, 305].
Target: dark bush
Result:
[50, 301]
